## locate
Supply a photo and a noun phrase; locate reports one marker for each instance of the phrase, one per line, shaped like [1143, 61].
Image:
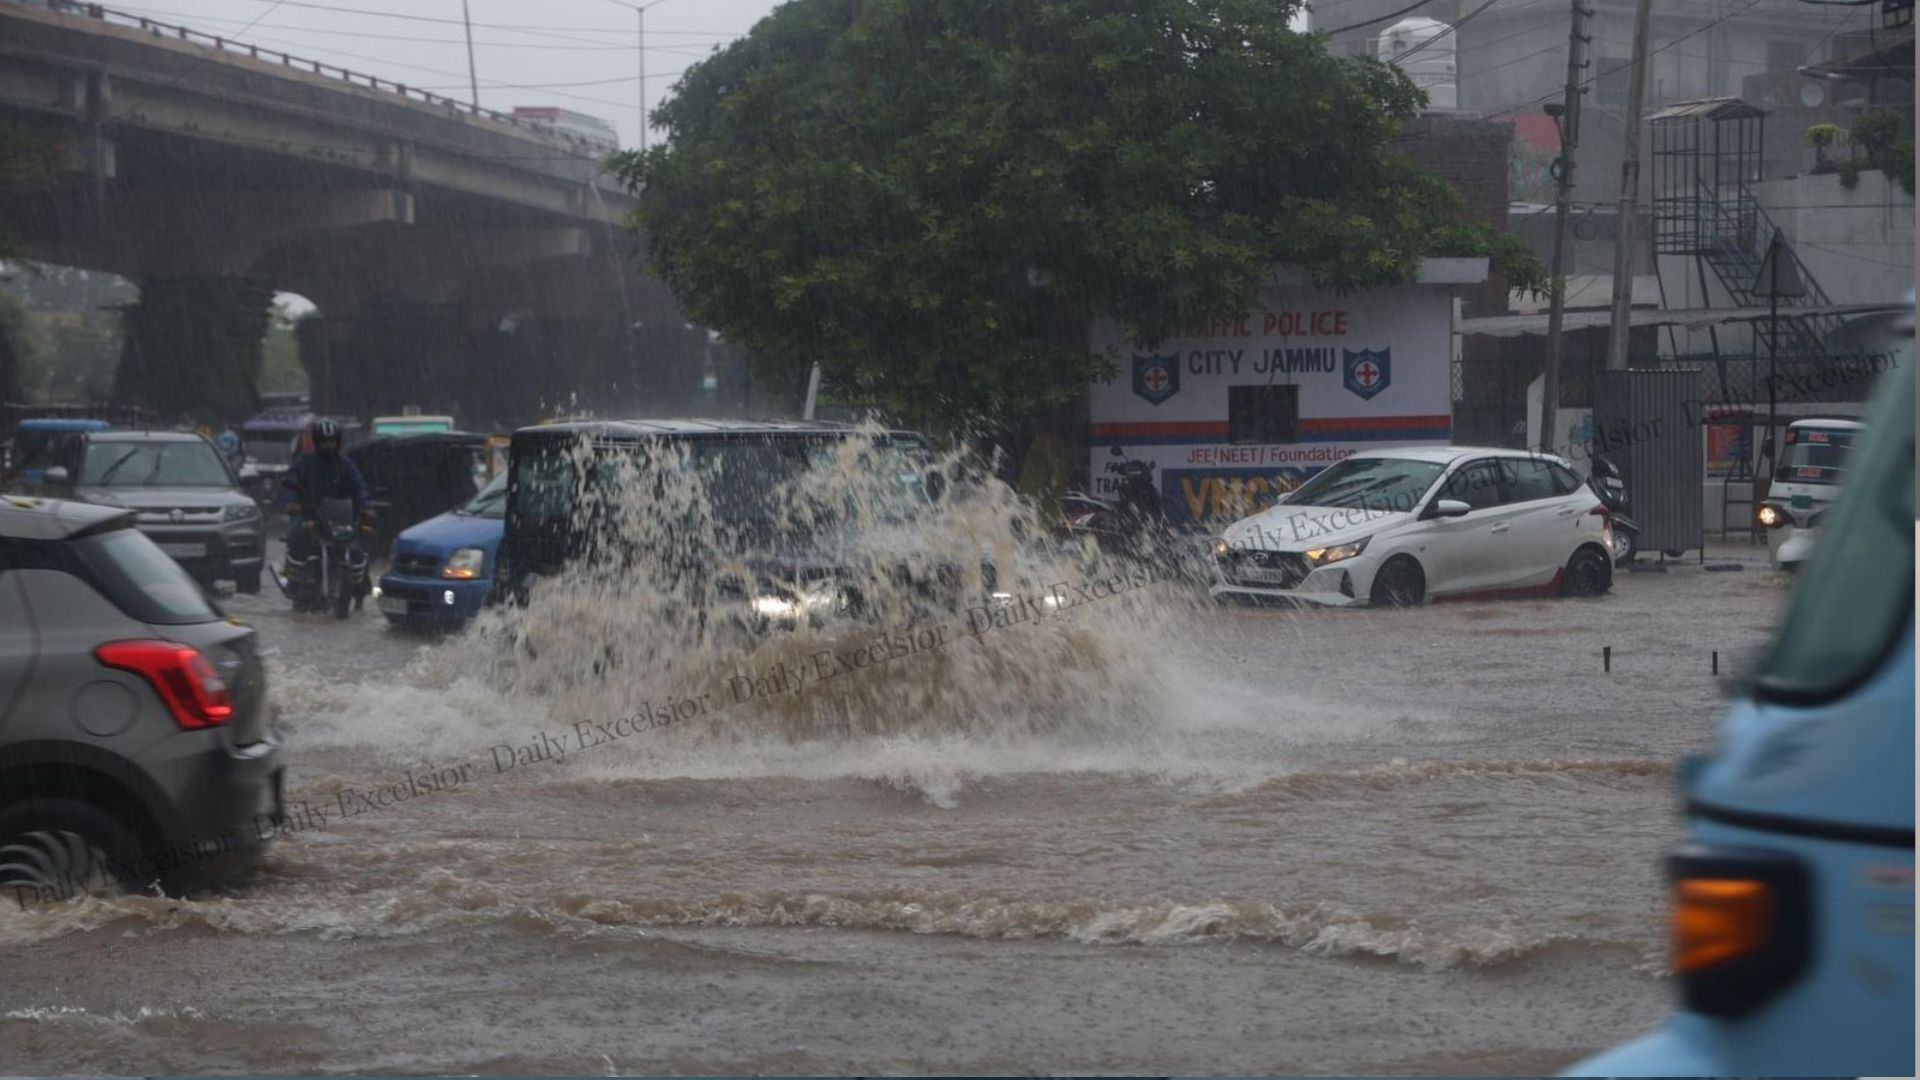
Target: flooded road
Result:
[1256, 841]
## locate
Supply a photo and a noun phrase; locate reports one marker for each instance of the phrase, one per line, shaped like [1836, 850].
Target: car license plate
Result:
[184, 551]
[1268, 574]
[393, 605]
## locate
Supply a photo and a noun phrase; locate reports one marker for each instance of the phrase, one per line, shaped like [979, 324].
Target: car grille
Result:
[1264, 569]
[164, 516]
[413, 594]
[414, 565]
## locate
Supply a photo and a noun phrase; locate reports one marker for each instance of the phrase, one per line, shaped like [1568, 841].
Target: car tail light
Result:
[185, 681]
[1739, 926]
[1601, 509]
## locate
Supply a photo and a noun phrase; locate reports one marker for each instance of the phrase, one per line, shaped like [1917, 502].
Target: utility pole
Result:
[1569, 116]
[640, 15]
[1623, 249]
[473, 77]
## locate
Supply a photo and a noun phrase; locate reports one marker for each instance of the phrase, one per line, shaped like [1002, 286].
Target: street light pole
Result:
[640, 18]
[473, 77]
[1777, 278]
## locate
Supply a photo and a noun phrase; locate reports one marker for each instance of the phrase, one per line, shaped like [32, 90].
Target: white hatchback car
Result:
[1393, 527]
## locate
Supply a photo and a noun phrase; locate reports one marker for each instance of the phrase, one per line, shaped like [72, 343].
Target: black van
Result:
[552, 516]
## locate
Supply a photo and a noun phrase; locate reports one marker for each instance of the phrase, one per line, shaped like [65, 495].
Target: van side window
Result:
[1856, 598]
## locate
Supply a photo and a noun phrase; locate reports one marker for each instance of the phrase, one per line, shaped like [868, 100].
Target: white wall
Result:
[1857, 244]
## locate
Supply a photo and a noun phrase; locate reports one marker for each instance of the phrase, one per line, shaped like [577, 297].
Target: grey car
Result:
[189, 500]
[135, 725]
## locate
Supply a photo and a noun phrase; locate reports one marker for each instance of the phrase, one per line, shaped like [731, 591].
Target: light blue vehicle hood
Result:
[1826, 763]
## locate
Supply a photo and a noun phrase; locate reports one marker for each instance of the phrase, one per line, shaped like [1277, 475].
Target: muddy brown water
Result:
[1248, 841]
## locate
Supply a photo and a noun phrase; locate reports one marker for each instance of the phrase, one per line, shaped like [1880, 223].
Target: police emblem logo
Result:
[1367, 371]
[1156, 378]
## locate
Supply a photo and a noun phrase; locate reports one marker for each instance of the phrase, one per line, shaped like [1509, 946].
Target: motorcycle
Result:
[1132, 524]
[1606, 482]
[1124, 524]
[336, 577]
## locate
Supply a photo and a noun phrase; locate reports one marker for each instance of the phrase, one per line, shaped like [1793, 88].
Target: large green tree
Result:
[933, 198]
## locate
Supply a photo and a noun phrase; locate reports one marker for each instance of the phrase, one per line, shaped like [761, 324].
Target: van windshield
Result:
[1856, 597]
[491, 502]
[746, 484]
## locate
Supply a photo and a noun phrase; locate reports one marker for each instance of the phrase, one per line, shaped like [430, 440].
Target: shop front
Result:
[1234, 413]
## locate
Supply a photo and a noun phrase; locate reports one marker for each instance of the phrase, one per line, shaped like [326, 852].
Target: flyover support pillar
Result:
[192, 346]
[390, 354]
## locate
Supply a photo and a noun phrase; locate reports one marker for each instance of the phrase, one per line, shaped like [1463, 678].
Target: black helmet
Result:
[324, 429]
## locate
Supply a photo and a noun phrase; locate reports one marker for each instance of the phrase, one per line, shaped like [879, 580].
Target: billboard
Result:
[1234, 412]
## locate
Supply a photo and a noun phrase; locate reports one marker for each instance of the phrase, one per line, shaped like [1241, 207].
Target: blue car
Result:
[1792, 897]
[442, 569]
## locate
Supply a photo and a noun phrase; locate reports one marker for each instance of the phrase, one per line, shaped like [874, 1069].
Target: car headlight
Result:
[464, 563]
[241, 512]
[1220, 547]
[778, 606]
[1337, 552]
[1770, 515]
[817, 599]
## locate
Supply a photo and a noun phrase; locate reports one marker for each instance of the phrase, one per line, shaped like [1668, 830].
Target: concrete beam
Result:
[146, 233]
[342, 271]
[194, 92]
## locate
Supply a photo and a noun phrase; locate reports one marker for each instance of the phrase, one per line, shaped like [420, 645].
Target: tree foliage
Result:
[29, 160]
[1885, 137]
[933, 198]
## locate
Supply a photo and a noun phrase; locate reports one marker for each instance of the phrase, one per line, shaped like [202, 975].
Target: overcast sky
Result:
[577, 54]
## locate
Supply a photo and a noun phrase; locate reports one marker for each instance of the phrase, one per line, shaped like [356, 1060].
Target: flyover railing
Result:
[222, 43]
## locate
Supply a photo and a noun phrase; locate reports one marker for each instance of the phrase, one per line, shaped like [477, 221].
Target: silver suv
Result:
[188, 499]
[135, 750]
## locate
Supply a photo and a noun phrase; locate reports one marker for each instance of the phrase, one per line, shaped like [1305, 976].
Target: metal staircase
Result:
[1737, 234]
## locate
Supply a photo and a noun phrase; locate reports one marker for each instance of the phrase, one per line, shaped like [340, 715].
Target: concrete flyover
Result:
[461, 261]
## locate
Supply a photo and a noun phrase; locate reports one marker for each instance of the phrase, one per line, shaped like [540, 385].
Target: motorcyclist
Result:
[324, 474]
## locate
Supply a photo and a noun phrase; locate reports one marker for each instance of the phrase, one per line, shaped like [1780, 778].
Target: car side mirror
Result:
[1449, 508]
[56, 474]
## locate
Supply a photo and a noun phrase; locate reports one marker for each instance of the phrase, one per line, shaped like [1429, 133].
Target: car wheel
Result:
[63, 849]
[1588, 573]
[1400, 583]
[1624, 548]
[247, 582]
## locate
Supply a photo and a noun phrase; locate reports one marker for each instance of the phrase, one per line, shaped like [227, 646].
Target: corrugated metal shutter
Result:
[1642, 423]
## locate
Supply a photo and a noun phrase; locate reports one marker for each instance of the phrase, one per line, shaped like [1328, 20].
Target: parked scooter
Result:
[335, 577]
[1607, 483]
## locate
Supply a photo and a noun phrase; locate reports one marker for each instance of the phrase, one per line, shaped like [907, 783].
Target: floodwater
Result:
[1139, 834]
